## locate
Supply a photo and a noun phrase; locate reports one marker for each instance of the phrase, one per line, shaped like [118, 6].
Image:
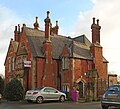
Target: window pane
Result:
[63, 63]
[12, 63]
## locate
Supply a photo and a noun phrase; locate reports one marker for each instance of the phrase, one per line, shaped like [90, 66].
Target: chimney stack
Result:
[95, 31]
[17, 33]
[47, 26]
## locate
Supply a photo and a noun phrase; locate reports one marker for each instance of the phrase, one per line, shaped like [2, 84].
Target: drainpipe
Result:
[58, 75]
[36, 71]
[108, 81]
[43, 73]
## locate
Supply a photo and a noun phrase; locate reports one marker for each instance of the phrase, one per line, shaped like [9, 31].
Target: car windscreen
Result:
[114, 88]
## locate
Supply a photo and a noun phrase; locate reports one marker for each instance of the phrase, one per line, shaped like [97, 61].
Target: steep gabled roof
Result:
[78, 47]
[34, 32]
[83, 39]
[58, 43]
[13, 44]
[36, 45]
[81, 50]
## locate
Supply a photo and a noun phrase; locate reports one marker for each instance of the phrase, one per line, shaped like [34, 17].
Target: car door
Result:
[46, 94]
[54, 94]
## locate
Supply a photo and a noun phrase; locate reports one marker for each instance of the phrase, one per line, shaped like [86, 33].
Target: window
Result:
[51, 90]
[114, 88]
[65, 88]
[19, 62]
[24, 58]
[13, 64]
[65, 63]
[111, 82]
[9, 65]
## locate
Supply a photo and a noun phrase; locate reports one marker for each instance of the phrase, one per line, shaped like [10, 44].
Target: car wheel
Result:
[62, 98]
[104, 107]
[39, 100]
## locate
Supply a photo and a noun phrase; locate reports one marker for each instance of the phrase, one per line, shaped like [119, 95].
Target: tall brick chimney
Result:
[95, 31]
[96, 49]
[17, 33]
[47, 45]
[47, 26]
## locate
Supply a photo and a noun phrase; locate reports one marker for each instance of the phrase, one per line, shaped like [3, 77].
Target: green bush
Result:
[1, 85]
[14, 90]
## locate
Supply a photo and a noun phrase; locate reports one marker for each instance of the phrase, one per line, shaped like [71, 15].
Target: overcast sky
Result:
[75, 18]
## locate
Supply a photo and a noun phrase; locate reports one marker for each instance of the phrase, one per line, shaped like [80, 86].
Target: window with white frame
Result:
[65, 63]
[66, 87]
[20, 61]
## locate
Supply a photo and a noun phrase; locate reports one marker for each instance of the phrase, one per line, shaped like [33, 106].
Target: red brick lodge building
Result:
[45, 58]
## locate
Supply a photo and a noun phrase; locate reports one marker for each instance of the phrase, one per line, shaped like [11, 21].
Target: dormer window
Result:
[65, 63]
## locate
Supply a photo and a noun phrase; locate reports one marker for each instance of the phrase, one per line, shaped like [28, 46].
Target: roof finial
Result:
[36, 24]
[57, 27]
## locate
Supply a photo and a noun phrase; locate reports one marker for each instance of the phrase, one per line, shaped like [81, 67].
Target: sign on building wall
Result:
[27, 64]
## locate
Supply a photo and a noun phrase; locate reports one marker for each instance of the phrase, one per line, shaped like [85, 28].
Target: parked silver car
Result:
[44, 94]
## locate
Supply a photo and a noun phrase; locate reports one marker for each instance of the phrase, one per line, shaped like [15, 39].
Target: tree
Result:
[1, 85]
[14, 90]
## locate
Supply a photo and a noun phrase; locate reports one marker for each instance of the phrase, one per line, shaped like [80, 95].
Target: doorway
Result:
[81, 89]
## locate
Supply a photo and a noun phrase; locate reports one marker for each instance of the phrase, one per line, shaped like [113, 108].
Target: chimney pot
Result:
[93, 20]
[97, 21]
[56, 23]
[48, 14]
[15, 28]
[36, 19]
[18, 27]
[24, 25]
